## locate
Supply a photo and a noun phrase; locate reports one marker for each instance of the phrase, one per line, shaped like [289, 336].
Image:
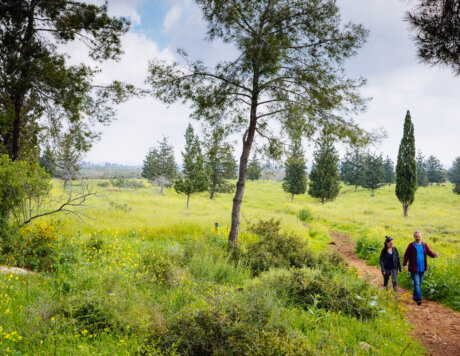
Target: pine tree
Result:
[254, 169]
[230, 165]
[159, 165]
[295, 180]
[68, 159]
[352, 168]
[406, 168]
[434, 170]
[324, 176]
[454, 175]
[47, 161]
[195, 178]
[219, 160]
[374, 173]
[422, 178]
[389, 168]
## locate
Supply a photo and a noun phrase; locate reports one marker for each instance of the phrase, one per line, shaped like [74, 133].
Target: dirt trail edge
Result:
[436, 327]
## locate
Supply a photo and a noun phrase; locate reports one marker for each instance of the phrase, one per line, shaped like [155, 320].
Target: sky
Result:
[396, 81]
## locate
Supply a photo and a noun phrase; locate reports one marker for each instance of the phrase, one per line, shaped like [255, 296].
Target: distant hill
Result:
[108, 170]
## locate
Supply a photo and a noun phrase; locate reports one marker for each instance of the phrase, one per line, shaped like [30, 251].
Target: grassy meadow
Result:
[147, 276]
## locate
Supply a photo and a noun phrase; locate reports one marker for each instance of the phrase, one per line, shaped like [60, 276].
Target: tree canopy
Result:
[40, 94]
[289, 70]
[434, 171]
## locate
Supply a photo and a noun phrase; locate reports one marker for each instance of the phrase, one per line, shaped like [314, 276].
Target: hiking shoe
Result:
[419, 302]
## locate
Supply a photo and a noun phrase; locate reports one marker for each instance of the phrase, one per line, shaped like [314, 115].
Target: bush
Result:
[305, 215]
[306, 288]
[368, 249]
[103, 184]
[158, 268]
[276, 249]
[33, 247]
[122, 182]
[229, 326]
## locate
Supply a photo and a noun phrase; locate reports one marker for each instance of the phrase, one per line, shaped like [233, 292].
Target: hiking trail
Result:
[435, 327]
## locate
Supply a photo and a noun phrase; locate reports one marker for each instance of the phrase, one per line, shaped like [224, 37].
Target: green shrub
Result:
[305, 215]
[157, 268]
[368, 249]
[123, 182]
[307, 288]
[276, 249]
[103, 184]
[33, 247]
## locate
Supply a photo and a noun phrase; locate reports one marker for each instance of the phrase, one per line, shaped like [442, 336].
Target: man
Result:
[416, 255]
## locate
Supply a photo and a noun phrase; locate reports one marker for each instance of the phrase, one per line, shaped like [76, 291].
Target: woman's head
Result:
[389, 242]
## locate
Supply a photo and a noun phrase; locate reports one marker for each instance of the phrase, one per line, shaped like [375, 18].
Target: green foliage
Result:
[36, 81]
[454, 175]
[47, 161]
[434, 170]
[32, 247]
[123, 182]
[374, 172]
[295, 180]
[422, 177]
[23, 186]
[389, 168]
[220, 163]
[160, 162]
[254, 169]
[406, 169]
[276, 249]
[305, 215]
[352, 167]
[195, 178]
[324, 176]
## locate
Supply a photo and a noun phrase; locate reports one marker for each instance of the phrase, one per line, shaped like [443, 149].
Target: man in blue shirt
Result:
[416, 255]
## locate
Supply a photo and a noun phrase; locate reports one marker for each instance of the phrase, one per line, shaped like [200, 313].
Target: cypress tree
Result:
[374, 173]
[454, 175]
[422, 178]
[195, 178]
[324, 176]
[406, 168]
[159, 165]
[295, 180]
[254, 169]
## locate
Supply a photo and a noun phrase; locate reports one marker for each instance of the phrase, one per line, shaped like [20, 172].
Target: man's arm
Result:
[429, 252]
[406, 257]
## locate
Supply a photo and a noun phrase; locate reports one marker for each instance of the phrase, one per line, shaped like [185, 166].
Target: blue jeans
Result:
[417, 278]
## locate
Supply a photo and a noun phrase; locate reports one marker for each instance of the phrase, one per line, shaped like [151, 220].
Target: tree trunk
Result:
[161, 189]
[356, 187]
[405, 208]
[372, 194]
[212, 194]
[188, 199]
[17, 128]
[292, 198]
[248, 139]
[322, 200]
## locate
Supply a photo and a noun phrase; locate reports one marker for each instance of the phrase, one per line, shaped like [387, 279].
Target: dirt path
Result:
[436, 327]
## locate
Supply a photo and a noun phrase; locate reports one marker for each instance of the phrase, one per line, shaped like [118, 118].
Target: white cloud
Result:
[172, 17]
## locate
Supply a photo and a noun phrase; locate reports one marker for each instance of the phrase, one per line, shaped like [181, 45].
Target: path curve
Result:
[436, 327]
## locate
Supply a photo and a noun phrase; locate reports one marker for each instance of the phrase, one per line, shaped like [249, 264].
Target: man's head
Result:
[417, 236]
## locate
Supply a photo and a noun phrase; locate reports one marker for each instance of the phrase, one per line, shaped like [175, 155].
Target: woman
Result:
[390, 263]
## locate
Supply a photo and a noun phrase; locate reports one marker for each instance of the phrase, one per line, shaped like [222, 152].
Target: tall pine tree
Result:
[254, 169]
[195, 178]
[324, 176]
[352, 168]
[389, 168]
[374, 173]
[422, 178]
[159, 165]
[295, 180]
[406, 168]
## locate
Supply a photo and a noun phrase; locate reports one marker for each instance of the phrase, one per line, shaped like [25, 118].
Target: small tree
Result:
[159, 165]
[47, 161]
[324, 176]
[422, 178]
[406, 168]
[254, 169]
[374, 173]
[389, 168]
[195, 178]
[295, 180]
[434, 170]
[229, 165]
[68, 159]
[218, 160]
[352, 168]
[454, 175]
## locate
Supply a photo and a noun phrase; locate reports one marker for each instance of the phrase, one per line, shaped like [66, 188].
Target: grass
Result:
[127, 282]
